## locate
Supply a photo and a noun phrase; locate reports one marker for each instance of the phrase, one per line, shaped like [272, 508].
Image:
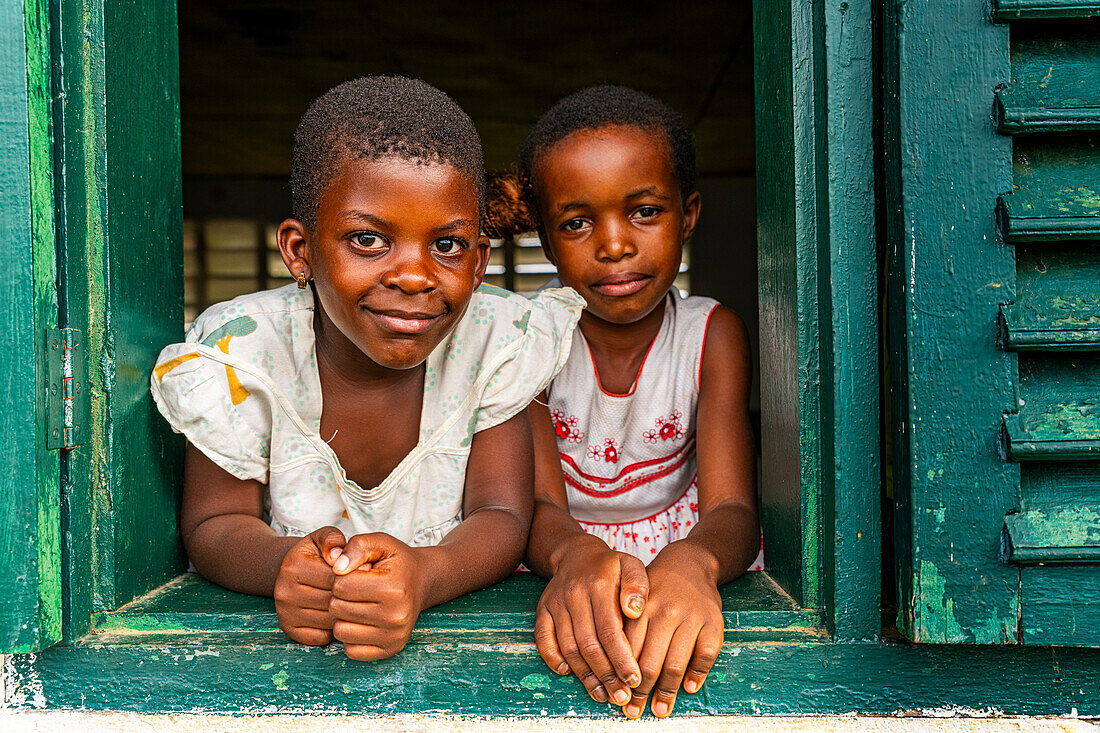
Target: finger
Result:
[635, 636]
[609, 630]
[306, 597]
[363, 549]
[309, 635]
[329, 542]
[365, 585]
[589, 642]
[303, 568]
[633, 586]
[370, 652]
[547, 643]
[568, 646]
[313, 619]
[367, 613]
[354, 633]
[707, 647]
[672, 671]
[650, 661]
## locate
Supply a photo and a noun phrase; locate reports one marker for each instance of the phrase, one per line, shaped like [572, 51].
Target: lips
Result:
[404, 321]
[621, 283]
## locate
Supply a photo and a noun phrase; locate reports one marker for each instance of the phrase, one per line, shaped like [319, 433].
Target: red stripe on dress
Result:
[629, 485]
[633, 466]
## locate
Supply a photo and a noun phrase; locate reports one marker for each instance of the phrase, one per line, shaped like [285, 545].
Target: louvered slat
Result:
[1062, 325]
[1040, 9]
[1068, 431]
[1055, 535]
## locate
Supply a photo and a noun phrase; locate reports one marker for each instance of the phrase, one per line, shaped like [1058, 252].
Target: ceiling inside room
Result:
[248, 70]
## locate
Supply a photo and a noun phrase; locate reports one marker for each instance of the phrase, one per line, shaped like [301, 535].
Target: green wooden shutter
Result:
[992, 215]
[1051, 219]
[30, 572]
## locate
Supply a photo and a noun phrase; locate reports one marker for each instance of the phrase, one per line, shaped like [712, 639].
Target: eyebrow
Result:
[354, 215]
[456, 224]
[648, 191]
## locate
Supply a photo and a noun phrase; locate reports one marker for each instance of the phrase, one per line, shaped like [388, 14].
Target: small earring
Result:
[302, 280]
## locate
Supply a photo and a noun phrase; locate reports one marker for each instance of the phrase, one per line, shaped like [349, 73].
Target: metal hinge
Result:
[65, 355]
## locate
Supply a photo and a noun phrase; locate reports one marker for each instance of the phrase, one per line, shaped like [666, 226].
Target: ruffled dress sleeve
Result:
[222, 410]
[547, 321]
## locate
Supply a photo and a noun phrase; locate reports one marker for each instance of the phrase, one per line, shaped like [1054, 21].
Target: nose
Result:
[615, 243]
[410, 270]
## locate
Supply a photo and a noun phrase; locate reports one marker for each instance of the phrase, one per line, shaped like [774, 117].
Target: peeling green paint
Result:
[279, 680]
[535, 681]
[933, 610]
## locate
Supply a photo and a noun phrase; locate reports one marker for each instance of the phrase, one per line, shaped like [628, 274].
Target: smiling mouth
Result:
[621, 283]
[404, 322]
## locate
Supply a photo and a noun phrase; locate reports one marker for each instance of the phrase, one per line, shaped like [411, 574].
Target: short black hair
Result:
[378, 117]
[606, 105]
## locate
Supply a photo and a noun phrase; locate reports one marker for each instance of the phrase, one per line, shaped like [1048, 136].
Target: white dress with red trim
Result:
[629, 460]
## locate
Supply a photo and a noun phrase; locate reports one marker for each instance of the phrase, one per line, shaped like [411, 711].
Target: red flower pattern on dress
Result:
[565, 426]
[608, 452]
[667, 428]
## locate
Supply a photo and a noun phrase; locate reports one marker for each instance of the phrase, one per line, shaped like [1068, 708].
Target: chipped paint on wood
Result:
[445, 676]
[1060, 535]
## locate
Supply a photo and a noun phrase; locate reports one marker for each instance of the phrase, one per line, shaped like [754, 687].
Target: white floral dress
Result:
[245, 390]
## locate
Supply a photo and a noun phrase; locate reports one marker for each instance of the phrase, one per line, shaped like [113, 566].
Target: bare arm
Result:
[221, 522]
[229, 543]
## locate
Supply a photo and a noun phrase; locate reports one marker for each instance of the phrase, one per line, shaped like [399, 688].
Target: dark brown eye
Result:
[448, 246]
[367, 240]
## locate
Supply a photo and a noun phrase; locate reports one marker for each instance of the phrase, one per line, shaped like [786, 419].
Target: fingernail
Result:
[341, 564]
[599, 693]
[633, 680]
[636, 604]
[620, 697]
[691, 686]
[632, 711]
[334, 553]
[563, 668]
[660, 709]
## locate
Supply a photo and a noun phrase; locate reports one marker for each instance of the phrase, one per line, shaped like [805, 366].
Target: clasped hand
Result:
[365, 591]
[627, 631]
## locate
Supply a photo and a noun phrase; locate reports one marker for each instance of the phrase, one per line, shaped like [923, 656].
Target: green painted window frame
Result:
[118, 232]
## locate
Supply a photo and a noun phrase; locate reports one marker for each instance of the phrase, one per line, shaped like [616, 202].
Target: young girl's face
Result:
[614, 220]
[395, 256]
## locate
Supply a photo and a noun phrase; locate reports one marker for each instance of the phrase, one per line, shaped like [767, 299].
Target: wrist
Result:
[430, 564]
[685, 558]
[575, 549]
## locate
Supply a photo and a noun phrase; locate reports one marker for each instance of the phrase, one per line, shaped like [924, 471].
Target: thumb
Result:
[329, 542]
[633, 586]
[363, 551]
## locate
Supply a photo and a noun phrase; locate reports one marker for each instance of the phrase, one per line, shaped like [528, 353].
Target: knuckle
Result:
[591, 648]
[673, 670]
[650, 670]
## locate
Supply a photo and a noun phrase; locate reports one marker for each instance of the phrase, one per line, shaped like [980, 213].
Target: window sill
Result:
[755, 609]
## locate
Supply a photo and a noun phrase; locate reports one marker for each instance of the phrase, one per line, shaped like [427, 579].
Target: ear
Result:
[482, 254]
[692, 205]
[293, 239]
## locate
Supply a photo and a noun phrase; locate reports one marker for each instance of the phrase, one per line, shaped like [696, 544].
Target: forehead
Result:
[396, 183]
[610, 159]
